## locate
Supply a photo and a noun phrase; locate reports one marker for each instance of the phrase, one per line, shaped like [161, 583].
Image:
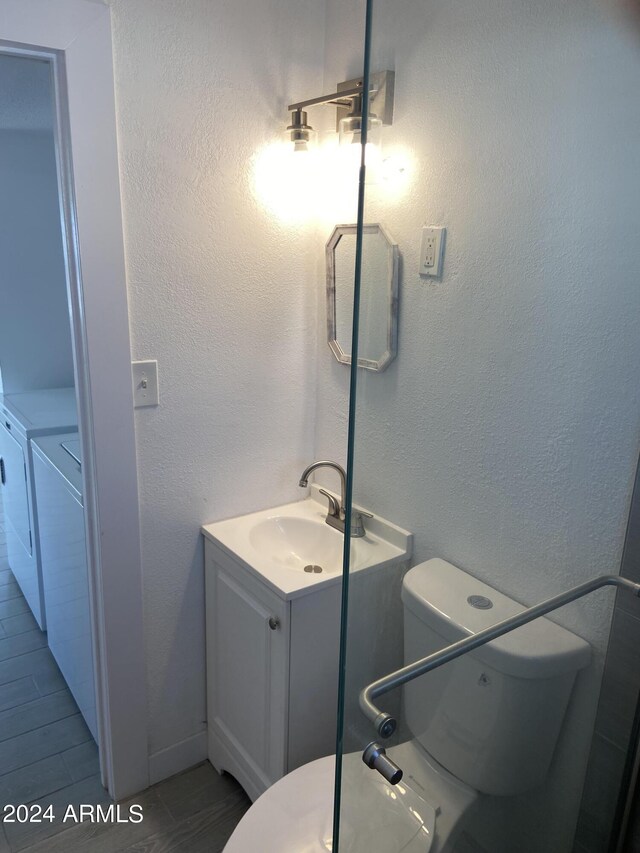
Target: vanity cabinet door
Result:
[247, 669]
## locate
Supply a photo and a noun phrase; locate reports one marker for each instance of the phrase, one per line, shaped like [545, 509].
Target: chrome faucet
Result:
[337, 511]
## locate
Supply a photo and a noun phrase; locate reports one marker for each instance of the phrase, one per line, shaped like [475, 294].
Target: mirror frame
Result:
[393, 262]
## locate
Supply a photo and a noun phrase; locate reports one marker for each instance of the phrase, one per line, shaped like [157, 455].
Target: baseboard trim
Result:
[174, 759]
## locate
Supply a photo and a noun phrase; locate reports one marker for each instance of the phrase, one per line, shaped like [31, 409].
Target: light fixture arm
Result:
[349, 94]
[341, 99]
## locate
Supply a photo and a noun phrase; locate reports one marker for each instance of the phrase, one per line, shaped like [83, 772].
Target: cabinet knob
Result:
[274, 622]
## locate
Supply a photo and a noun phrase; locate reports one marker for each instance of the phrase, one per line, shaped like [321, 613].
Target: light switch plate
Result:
[432, 251]
[145, 383]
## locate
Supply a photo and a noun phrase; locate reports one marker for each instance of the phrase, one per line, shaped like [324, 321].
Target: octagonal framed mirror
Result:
[378, 321]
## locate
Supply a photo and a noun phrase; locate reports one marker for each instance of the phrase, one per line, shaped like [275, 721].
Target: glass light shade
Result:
[301, 140]
[351, 131]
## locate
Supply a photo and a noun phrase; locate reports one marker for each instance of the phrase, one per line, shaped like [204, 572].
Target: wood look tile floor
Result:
[47, 757]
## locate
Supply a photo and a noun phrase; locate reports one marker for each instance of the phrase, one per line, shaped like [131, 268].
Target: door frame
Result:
[75, 36]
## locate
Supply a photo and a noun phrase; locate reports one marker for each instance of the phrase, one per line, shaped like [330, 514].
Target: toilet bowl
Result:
[424, 813]
[293, 816]
[485, 724]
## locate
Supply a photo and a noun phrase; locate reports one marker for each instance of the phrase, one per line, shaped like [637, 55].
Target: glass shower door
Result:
[504, 435]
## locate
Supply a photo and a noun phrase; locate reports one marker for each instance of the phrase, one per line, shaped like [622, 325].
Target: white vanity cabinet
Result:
[272, 664]
[273, 588]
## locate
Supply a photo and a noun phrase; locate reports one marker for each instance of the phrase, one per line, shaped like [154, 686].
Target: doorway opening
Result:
[49, 732]
[93, 456]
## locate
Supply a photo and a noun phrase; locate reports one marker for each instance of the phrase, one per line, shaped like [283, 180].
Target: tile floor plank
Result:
[20, 644]
[50, 680]
[33, 663]
[13, 606]
[34, 781]
[18, 692]
[10, 590]
[188, 793]
[111, 837]
[40, 712]
[88, 791]
[82, 761]
[205, 832]
[45, 741]
[19, 624]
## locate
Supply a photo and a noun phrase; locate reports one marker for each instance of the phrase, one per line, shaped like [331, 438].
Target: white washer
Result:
[23, 417]
[58, 480]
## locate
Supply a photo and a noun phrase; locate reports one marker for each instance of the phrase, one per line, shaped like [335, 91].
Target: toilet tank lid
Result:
[438, 593]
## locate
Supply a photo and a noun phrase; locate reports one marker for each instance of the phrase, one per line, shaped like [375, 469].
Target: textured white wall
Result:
[35, 337]
[220, 293]
[506, 433]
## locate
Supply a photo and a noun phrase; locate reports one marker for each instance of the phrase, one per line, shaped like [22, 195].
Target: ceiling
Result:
[25, 93]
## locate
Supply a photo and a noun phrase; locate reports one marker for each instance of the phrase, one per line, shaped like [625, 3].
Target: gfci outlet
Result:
[432, 250]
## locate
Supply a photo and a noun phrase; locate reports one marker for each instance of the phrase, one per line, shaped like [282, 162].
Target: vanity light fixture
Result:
[348, 99]
[299, 132]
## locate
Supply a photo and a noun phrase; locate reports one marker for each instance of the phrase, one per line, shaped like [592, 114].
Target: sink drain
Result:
[315, 569]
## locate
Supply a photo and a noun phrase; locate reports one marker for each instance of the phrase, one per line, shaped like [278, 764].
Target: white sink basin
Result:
[301, 544]
[292, 548]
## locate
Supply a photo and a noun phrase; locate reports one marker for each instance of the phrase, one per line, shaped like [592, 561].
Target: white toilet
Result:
[485, 724]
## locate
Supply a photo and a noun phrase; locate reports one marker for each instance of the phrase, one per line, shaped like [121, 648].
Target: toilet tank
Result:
[491, 717]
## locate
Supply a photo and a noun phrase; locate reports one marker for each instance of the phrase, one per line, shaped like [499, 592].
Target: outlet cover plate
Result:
[145, 383]
[432, 251]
